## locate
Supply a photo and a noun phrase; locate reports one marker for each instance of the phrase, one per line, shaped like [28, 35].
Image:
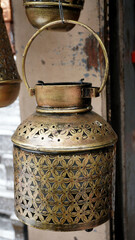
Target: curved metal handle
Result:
[32, 90]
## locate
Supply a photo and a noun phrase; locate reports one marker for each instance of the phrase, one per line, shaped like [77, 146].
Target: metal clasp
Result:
[90, 92]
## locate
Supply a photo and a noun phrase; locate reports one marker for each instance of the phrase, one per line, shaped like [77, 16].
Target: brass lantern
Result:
[40, 12]
[9, 77]
[63, 156]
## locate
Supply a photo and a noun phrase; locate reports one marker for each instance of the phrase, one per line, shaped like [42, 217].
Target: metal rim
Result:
[62, 228]
[11, 81]
[64, 150]
[49, 4]
[64, 110]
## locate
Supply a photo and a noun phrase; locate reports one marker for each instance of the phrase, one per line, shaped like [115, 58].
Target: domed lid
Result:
[64, 132]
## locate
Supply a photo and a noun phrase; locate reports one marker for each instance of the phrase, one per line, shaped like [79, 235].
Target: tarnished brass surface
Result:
[63, 110]
[63, 165]
[8, 93]
[97, 91]
[64, 132]
[40, 13]
[74, 95]
[38, 16]
[63, 170]
[63, 192]
[9, 77]
[60, 95]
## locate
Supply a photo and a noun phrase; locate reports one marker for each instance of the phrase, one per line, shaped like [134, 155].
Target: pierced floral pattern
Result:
[63, 191]
[30, 130]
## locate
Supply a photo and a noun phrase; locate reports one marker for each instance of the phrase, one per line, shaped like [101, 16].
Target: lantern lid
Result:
[64, 97]
[57, 132]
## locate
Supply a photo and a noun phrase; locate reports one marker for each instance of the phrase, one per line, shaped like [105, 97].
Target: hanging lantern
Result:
[9, 77]
[63, 156]
[40, 12]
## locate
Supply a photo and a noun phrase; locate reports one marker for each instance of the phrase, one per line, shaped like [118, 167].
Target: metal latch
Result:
[90, 92]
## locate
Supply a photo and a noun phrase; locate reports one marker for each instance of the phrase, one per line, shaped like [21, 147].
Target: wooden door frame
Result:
[122, 72]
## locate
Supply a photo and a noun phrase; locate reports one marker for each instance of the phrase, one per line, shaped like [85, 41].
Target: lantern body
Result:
[40, 12]
[63, 161]
[9, 77]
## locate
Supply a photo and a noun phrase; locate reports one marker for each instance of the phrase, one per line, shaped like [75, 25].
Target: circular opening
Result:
[41, 83]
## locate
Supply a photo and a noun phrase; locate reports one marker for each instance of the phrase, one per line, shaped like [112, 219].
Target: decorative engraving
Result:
[29, 130]
[63, 190]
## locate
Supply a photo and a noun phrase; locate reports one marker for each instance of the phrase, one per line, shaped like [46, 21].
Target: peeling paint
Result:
[81, 39]
[80, 33]
[90, 49]
[84, 60]
[86, 75]
[94, 75]
[75, 48]
[80, 44]
[43, 61]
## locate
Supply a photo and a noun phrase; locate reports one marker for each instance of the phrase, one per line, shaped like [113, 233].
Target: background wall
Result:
[56, 57]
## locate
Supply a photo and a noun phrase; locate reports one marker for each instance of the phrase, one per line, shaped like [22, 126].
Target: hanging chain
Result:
[61, 11]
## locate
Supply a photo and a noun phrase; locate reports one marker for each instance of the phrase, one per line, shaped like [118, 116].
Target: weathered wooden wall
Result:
[122, 23]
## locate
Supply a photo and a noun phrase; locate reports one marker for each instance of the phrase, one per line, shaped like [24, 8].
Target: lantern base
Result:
[62, 227]
[38, 17]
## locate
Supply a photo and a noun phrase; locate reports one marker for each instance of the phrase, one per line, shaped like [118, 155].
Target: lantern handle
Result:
[46, 26]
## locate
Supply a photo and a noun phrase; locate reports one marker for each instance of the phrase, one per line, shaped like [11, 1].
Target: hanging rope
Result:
[61, 11]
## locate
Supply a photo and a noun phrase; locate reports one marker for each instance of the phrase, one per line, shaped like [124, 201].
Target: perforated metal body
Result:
[63, 192]
[63, 161]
